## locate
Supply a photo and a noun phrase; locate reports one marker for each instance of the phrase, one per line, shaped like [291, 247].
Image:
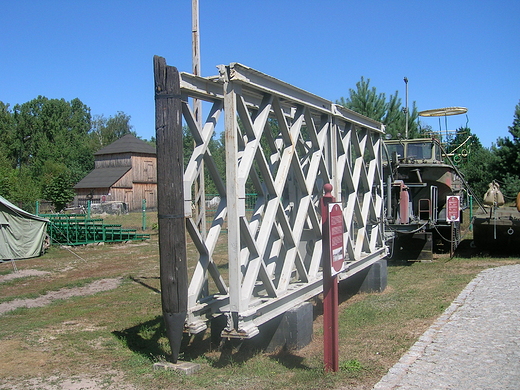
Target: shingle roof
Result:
[102, 177]
[127, 144]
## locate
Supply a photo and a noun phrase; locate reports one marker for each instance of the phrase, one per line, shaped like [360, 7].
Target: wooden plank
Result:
[232, 194]
[172, 228]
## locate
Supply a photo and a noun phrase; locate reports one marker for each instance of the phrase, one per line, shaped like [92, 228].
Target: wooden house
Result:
[125, 172]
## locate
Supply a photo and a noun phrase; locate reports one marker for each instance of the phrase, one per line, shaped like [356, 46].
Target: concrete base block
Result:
[376, 278]
[187, 368]
[293, 330]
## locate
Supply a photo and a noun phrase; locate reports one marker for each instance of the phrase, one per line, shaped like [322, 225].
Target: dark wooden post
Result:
[170, 197]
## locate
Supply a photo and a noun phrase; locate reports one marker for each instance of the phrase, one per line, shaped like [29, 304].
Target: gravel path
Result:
[474, 345]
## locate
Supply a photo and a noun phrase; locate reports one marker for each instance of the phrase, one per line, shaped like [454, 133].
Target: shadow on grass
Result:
[141, 280]
[234, 352]
[149, 340]
[467, 250]
[145, 339]
[289, 360]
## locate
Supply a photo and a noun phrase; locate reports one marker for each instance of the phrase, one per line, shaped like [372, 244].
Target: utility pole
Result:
[200, 195]
[170, 202]
[406, 110]
[195, 47]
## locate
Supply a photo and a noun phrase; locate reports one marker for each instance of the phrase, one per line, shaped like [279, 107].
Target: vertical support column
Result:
[170, 197]
[232, 195]
[336, 180]
[381, 190]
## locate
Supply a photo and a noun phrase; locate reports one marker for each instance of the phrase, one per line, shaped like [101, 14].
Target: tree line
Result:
[48, 145]
[479, 165]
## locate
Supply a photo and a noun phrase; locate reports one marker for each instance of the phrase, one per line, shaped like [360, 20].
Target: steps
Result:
[77, 229]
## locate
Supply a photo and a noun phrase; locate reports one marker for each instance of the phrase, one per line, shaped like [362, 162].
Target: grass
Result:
[121, 330]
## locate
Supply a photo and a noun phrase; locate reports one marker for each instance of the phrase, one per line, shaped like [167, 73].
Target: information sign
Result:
[336, 237]
[453, 208]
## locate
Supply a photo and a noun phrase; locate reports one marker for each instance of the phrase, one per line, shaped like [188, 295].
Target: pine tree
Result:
[366, 101]
[507, 151]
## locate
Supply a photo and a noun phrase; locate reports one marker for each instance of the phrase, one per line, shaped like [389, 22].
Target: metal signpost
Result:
[452, 216]
[332, 261]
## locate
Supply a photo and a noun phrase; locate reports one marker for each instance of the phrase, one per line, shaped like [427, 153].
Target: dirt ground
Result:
[50, 357]
[64, 293]
[35, 358]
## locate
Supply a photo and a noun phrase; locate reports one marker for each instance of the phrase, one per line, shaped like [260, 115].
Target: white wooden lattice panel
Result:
[284, 143]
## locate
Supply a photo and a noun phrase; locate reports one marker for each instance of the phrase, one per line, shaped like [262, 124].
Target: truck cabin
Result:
[412, 151]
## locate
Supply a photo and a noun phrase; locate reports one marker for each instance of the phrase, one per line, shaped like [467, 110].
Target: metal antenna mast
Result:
[406, 110]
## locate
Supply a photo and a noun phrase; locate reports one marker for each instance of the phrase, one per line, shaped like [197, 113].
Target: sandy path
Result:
[22, 274]
[64, 293]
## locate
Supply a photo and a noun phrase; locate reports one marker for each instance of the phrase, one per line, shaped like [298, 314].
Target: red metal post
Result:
[330, 291]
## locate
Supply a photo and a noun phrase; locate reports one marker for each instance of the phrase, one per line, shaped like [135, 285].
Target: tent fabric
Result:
[22, 234]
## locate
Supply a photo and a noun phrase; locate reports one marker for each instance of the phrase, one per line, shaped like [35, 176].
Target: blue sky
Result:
[454, 53]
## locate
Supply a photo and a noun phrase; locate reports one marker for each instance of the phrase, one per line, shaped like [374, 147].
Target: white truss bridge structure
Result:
[285, 143]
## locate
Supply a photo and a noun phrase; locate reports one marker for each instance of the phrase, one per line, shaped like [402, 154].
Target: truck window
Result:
[394, 148]
[419, 151]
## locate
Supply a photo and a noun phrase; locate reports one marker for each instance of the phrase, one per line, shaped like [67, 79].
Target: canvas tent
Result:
[22, 234]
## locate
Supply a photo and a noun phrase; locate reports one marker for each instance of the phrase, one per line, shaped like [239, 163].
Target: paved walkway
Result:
[474, 345]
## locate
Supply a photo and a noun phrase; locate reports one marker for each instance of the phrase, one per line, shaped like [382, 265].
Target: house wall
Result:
[137, 184]
[98, 195]
[144, 169]
[125, 182]
[145, 191]
[113, 160]
[133, 193]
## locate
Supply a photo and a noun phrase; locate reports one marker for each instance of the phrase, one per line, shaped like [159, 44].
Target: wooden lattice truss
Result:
[286, 144]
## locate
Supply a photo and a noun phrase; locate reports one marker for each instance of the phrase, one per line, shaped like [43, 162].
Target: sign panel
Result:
[453, 208]
[336, 237]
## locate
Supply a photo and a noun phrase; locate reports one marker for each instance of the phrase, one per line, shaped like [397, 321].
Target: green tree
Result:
[37, 133]
[478, 170]
[462, 144]
[59, 190]
[52, 129]
[6, 176]
[107, 130]
[474, 161]
[23, 189]
[47, 145]
[507, 164]
[6, 135]
[366, 101]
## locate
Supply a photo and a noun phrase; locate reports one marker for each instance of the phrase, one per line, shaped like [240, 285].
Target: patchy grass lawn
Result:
[110, 339]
